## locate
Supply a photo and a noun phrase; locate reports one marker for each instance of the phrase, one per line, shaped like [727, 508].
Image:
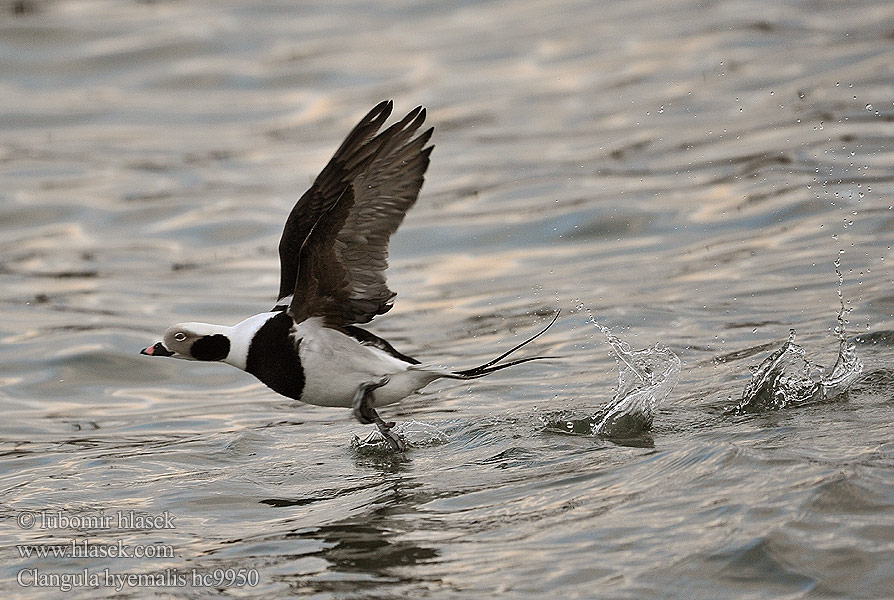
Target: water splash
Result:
[633, 406]
[783, 379]
[847, 368]
[646, 378]
[787, 379]
[416, 434]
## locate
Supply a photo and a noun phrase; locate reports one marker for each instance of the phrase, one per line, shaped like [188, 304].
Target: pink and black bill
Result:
[157, 350]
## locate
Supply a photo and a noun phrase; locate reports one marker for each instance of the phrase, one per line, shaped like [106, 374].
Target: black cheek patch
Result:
[210, 347]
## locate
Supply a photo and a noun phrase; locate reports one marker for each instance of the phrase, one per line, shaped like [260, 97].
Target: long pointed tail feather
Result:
[491, 366]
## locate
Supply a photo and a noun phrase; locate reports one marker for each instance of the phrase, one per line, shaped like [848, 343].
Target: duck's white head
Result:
[193, 341]
[207, 342]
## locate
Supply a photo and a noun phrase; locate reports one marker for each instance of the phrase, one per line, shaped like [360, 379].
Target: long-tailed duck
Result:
[333, 255]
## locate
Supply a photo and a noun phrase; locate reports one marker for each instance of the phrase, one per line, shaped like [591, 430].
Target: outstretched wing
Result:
[334, 248]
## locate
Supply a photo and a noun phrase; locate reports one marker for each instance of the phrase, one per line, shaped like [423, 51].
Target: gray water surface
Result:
[689, 171]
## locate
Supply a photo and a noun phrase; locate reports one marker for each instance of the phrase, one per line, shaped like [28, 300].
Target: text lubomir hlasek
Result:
[117, 520]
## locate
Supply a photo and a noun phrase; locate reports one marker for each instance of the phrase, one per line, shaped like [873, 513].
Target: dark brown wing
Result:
[327, 187]
[347, 219]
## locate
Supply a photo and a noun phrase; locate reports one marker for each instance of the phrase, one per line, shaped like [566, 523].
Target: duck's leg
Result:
[365, 413]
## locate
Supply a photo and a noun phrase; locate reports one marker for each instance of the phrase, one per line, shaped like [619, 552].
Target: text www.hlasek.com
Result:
[86, 549]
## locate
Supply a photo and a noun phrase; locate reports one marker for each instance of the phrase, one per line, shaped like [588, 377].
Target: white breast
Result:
[335, 365]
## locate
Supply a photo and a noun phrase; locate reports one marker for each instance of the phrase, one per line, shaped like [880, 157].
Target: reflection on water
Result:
[690, 169]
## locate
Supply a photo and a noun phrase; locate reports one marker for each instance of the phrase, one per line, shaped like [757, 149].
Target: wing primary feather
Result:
[364, 131]
[328, 184]
[334, 247]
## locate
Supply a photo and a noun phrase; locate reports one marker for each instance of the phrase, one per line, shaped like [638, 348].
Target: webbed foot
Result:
[395, 441]
[366, 414]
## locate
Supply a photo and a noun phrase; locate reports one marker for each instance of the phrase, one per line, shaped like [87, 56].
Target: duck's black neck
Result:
[273, 357]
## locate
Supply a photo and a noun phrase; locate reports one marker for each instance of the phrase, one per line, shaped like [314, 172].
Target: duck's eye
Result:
[179, 336]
